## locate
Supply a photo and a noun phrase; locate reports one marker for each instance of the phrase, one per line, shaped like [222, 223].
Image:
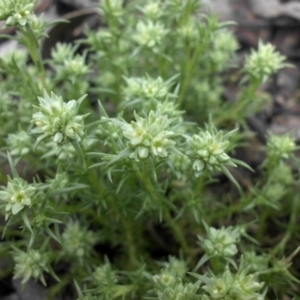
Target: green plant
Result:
[113, 167]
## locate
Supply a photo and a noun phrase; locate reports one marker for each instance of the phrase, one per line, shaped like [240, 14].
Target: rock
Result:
[32, 291]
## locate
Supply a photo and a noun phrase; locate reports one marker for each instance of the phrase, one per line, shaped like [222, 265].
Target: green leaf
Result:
[26, 221]
[12, 166]
[231, 178]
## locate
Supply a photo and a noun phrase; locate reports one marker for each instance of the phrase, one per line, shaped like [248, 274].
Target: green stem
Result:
[291, 227]
[263, 223]
[217, 265]
[98, 186]
[32, 45]
[177, 232]
[188, 71]
[238, 111]
[133, 262]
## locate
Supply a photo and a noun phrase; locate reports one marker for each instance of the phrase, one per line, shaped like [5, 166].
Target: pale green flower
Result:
[99, 39]
[220, 242]
[145, 88]
[30, 264]
[72, 69]
[228, 286]
[280, 147]
[58, 119]
[77, 241]
[224, 46]
[105, 275]
[39, 26]
[17, 12]
[176, 267]
[164, 279]
[168, 287]
[17, 57]
[264, 62]
[62, 52]
[188, 32]
[151, 136]
[181, 291]
[17, 195]
[208, 150]
[150, 34]
[148, 94]
[256, 263]
[282, 174]
[19, 143]
[113, 7]
[60, 181]
[153, 10]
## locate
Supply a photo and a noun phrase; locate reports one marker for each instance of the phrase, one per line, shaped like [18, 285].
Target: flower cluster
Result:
[179, 290]
[264, 62]
[14, 59]
[62, 52]
[72, 68]
[17, 12]
[282, 174]
[168, 284]
[220, 242]
[189, 32]
[77, 241]
[108, 131]
[145, 88]
[112, 7]
[208, 150]
[39, 26]
[147, 91]
[238, 286]
[19, 143]
[30, 264]
[225, 45]
[255, 262]
[104, 275]
[280, 147]
[151, 136]
[150, 34]
[58, 119]
[153, 10]
[17, 195]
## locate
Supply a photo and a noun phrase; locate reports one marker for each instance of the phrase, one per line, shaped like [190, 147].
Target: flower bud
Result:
[77, 241]
[150, 34]
[58, 119]
[30, 264]
[17, 195]
[264, 62]
[149, 136]
[220, 242]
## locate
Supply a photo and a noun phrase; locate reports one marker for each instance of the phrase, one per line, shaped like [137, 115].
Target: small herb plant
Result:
[123, 178]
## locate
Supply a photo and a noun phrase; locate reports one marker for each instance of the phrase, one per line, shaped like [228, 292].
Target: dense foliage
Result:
[124, 181]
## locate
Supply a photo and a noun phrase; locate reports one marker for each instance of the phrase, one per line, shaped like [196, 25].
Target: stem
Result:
[32, 44]
[130, 242]
[176, 230]
[291, 227]
[189, 67]
[263, 223]
[98, 186]
[240, 108]
[217, 265]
